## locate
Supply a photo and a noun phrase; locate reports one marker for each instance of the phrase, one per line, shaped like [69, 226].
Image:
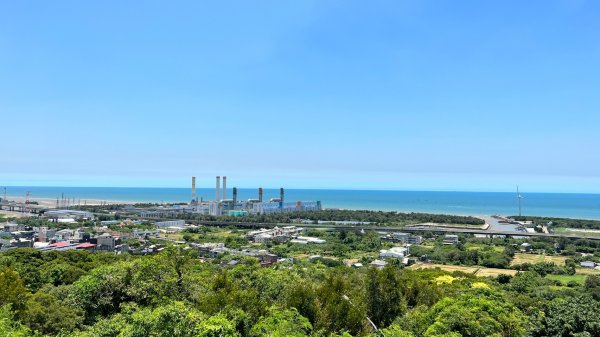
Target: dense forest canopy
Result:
[175, 293]
[374, 217]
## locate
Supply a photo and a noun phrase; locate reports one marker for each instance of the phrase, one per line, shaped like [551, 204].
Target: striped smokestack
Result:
[260, 193]
[224, 187]
[193, 189]
[217, 198]
[234, 196]
[281, 192]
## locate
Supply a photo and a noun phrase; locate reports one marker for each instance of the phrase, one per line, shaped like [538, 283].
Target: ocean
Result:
[572, 205]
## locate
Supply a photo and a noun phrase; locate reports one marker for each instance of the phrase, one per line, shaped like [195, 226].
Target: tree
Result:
[169, 320]
[479, 313]
[302, 296]
[217, 326]
[282, 323]
[337, 310]
[100, 292]
[578, 316]
[394, 331]
[12, 290]
[384, 297]
[9, 327]
[44, 313]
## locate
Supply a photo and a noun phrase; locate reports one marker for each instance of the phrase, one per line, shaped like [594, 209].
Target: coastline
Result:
[478, 204]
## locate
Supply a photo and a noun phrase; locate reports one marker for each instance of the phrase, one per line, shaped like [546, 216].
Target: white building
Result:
[276, 234]
[69, 214]
[394, 252]
[172, 223]
[307, 239]
[137, 234]
[379, 264]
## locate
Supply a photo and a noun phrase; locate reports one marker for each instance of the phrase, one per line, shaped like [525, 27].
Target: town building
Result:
[105, 242]
[276, 234]
[167, 224]
[450, 239]
[526, 247]
[303, 240]
[588, 264]
[69, 214]
[379, 264]
[394, 252]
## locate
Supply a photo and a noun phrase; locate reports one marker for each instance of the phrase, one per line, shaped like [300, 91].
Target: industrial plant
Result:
[222, 205]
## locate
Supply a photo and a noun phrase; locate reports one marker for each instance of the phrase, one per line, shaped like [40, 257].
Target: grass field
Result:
[479, 271]
[565, 279]
[521, 258]
[582, 232]
[493, 272]
[585, 271]
[474, 246]
[448, 268]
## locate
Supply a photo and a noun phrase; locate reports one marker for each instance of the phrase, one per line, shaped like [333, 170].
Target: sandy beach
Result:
[49, 202]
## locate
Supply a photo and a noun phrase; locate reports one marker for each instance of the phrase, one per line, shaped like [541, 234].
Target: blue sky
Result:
[410, 95]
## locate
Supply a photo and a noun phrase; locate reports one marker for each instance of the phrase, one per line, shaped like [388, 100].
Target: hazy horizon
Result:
[522, 191]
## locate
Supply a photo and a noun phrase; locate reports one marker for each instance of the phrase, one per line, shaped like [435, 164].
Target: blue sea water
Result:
[585, 206]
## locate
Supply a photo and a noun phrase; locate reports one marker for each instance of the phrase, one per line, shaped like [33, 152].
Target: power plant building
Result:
[222, 205]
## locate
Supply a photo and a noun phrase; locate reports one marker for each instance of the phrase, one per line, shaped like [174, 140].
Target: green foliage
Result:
[384, 296]
[373, 217]
[578, 316]
[12, 290]
[340, 308]
[561, 222]
[45, 313]
[478, 314]
[174, 293]
[282, 323]
[394, 331]
[100, 292]
[170, 320]
[218, 326]
[9, 327]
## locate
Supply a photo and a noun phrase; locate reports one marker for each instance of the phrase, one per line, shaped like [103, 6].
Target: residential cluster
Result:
[282, 235]
[47, 239]
[94, 238]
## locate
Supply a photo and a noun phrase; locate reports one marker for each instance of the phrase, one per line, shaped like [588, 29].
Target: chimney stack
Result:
[194, 190]
[218, 188]
[281, 194]
[224, 187]
[234, 196]
[260, 193]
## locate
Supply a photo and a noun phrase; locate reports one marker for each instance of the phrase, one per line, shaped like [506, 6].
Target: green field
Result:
[521, 258]
[592, 233]
[475, 246]
[565, 279]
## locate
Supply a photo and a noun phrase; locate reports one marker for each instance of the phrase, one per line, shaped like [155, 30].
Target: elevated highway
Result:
[22, 207]
[411, 228]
